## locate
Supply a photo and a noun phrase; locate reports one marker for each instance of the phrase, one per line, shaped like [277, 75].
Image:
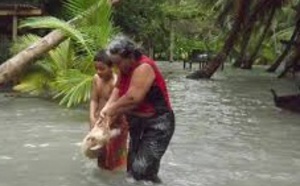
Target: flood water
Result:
[228, 133]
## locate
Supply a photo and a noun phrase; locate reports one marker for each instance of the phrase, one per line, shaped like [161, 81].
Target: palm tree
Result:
[270, 7]
[252, 18]
[243, 26]
[66, 72]
[239, 20]
[288, 47]
[84, 10]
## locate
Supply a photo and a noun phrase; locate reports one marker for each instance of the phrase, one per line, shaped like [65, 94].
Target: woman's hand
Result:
[103, 112]
[107, 111]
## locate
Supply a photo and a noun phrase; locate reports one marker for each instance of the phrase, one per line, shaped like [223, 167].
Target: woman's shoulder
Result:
[142, 68]
[143, 73]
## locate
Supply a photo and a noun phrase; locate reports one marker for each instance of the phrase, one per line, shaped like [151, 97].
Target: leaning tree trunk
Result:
[19, 62]
[248, 64]
[247, 36]
[248, 32]
[287, 49]
[15, 65]
[221, 17]
[294, 60]
[240, 60]
[213, 65]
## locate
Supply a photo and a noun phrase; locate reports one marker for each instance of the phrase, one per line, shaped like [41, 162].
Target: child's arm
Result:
[94, 103]
[113, 98]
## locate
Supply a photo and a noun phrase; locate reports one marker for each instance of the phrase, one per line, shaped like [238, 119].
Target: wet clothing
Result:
[114, 155]
[149, 139]
[149, 136]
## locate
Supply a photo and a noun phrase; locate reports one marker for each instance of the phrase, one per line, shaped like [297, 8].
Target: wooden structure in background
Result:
[11, 11]
[197, 56]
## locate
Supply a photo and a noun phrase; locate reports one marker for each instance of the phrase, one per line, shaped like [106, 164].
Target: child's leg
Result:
[115, 154]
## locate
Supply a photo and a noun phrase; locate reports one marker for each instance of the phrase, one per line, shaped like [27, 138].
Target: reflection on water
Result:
[228, 132]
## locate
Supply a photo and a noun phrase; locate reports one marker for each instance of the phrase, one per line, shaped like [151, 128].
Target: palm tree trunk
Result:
[287, 49]
[290, 66]
[213, 65]
[248, 32]
[248, 64]
[247, 36]
[294, 60]
[227, 8]
[15, 65]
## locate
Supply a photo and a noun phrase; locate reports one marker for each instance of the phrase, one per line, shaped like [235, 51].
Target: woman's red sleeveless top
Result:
[157, 99]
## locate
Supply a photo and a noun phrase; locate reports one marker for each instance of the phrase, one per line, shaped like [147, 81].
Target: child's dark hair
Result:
[103, 57]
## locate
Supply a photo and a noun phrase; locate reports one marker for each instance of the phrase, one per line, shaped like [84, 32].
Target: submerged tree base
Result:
[199, 74]
[288, 102]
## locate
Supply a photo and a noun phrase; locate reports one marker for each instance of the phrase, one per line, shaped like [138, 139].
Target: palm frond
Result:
[88, 10]
[54, 23]
[85, 65]
[74, 7]
[63, 56]
[102, 15]
[73, 87]
[98, 36]
[46, 66]
[285, 33]
[34, 83]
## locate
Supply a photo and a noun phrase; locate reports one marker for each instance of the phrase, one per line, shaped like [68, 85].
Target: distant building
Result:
[11, 11]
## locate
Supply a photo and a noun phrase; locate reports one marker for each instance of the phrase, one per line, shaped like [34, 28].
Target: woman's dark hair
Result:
[124, 47]
[102, 56]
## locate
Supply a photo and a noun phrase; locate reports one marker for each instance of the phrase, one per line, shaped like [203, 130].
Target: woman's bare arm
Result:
[141, 81]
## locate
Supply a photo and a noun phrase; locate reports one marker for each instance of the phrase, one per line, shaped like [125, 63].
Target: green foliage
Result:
[66, 72]
[184, 10]
[23, 42]
[139, 20]
[150, 23]
[73, 87]
[54, 23]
